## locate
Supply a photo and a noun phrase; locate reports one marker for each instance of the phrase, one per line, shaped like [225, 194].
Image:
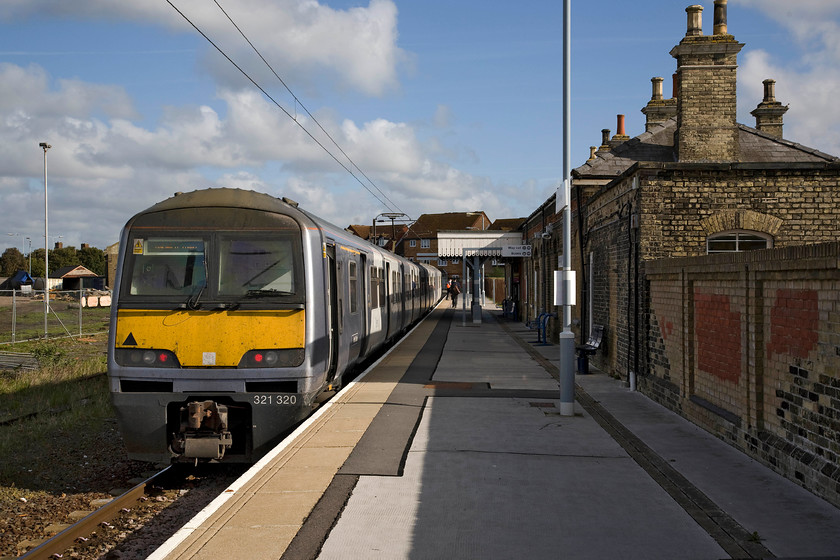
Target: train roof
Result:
[223, 197]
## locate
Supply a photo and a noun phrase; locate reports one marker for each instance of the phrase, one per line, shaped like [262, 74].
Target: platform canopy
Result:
[486, 243]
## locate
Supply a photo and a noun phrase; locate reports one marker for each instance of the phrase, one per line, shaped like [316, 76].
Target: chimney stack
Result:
[706, 95]
[769, 113]
[658, 109]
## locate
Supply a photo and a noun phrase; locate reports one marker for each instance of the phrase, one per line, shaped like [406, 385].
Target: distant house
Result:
[76, 277]
[384, 236]
[420, 243]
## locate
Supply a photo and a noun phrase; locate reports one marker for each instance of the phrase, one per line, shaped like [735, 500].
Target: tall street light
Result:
[391, 216]
[46, 147]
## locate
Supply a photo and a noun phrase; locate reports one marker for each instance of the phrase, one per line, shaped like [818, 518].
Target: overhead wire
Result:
[279, 106]
[299, 102]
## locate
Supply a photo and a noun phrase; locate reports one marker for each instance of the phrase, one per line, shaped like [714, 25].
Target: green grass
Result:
[53, 409]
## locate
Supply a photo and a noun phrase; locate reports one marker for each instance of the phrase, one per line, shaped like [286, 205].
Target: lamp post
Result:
[30, 257]
[392, 216]
[46, 147]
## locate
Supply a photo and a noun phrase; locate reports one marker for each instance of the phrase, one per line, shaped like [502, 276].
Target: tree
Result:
[93, 259]
[38, 263]
[66, 256]
[11, 261]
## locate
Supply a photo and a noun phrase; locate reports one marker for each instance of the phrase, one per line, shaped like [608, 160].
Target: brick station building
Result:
[707, 249]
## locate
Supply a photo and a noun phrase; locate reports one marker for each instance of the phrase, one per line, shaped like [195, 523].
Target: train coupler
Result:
[204, 431]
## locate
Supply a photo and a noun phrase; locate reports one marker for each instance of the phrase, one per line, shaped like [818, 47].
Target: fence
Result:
[23, 315]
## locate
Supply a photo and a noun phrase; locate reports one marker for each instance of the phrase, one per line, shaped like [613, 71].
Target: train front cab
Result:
[196, 337]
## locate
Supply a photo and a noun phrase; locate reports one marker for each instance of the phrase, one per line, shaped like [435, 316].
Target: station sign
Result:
[516, 251]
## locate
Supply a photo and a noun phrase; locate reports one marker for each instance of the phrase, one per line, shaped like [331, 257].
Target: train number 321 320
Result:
[276, 400]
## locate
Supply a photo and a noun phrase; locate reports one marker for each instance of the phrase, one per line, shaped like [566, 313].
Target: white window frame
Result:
[412, 243]
[740, 237]
[425, 243]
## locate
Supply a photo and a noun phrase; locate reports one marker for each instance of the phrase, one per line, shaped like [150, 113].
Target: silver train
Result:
[233, 310]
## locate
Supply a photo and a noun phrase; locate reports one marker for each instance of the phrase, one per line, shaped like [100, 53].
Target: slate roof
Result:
[359, 231]
[428, 225]
[507, 224]
[657, 145]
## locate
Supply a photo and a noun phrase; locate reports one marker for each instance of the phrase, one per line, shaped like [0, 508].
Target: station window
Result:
[425, 243]
[737, 241]
[412, 243]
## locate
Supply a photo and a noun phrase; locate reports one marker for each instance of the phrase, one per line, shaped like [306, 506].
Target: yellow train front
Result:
[231, 313]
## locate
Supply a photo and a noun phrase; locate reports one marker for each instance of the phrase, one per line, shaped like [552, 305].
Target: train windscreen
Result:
[168, 267]
[257, 267]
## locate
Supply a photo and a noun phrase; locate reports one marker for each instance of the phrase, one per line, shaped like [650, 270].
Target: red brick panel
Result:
[794, 320]
[718, 332]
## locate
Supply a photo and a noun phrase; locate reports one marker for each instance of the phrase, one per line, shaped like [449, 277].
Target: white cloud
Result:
[810, 82]
[304, 40]
[104, 167]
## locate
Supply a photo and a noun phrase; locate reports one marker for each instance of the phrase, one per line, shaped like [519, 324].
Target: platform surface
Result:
[453, 447]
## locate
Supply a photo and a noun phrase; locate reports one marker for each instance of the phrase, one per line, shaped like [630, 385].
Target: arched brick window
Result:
[735, 241]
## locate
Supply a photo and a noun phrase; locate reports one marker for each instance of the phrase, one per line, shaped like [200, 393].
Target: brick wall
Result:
[747, 345]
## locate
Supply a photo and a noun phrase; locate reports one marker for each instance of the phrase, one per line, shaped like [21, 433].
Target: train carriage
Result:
[232, 311]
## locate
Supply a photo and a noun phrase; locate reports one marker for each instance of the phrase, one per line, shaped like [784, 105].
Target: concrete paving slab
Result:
[248, 543]
[791, 521]
[536, 492]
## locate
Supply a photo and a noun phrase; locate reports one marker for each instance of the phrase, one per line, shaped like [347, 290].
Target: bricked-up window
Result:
[737, 241]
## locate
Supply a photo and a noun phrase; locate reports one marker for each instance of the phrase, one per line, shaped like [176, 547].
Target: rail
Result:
[56, 545]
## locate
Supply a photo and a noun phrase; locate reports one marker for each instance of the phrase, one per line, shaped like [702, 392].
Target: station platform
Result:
[452, 446]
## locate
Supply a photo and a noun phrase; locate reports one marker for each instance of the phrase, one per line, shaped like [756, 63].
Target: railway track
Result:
[79, 532]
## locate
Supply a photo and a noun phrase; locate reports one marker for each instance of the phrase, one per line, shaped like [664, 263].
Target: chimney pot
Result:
[720, 17]
[675, 83]
[695, 21]
[592, 150]
[769, 91]
[656, 83]
[620, 125]
[605, 136]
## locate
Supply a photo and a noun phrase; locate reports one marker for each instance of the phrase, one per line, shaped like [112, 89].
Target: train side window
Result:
[354, 287]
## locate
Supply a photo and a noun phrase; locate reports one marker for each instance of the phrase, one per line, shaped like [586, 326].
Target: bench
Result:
[588, 349]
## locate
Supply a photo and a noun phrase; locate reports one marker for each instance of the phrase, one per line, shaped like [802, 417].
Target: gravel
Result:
[73, 471]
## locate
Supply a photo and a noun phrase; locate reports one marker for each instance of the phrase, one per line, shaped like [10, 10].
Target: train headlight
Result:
[288, 357]
[146, 358]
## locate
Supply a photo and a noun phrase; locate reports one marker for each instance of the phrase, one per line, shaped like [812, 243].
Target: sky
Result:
[388, 105]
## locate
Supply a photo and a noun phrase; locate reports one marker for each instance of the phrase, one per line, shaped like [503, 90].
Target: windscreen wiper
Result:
[192, 301]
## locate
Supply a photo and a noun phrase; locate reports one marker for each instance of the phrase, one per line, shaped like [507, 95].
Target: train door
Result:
[364, 304]
[388, 300]
[353, 323]
[333, 307]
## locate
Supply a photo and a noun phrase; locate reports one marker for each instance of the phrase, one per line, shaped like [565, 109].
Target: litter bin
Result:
[583, 364]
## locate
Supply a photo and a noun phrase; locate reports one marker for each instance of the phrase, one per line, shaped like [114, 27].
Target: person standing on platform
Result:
[454, 290]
